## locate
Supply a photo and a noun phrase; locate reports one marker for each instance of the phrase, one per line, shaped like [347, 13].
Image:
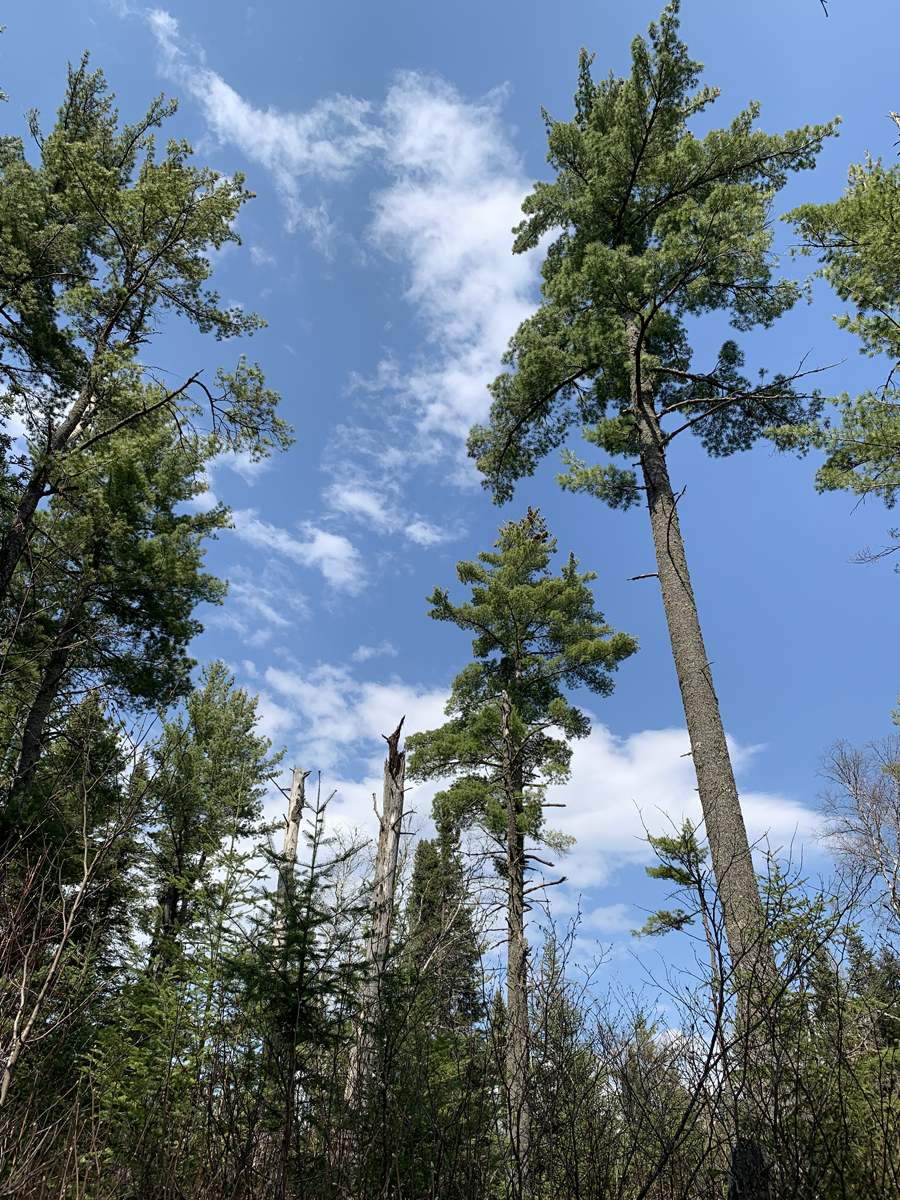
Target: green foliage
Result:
[117, 572]
[535, 634]
[126, 238]
[856, 241]
[102, 240]
[682, 863]
[652, 226]
[442, 954]
[211, 774]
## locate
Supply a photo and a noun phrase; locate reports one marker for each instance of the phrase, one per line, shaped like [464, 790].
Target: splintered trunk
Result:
[289, 853]
[284, 898]
[732, 862]
[380, 915]
[517, 1026]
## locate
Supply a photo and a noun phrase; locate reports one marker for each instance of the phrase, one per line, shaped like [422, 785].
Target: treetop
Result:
[653, 225]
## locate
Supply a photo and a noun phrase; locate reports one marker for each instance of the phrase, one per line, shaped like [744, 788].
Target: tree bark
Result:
[289, 853]
[517, 1021]
[752, 960]
[732, 862]
[381, 914]
[33, 730]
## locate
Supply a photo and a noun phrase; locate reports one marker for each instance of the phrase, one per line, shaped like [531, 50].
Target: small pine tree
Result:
[442, 952]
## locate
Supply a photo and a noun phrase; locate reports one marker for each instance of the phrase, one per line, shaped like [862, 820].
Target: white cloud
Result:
[337, 725]
[424, 533]
[607, 919]
[455, 189]
[339, 715]
[619, 782]
[380, 505]
[364, 653]
[331, 553]
[243, 464]
[261, 257]
[327, 142]
[359, 501]
[261, 605]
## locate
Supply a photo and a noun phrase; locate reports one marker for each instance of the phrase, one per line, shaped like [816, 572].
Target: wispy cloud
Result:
[455, 186]
[374, 499]
[327, 141]
[456, 191]
[262, 605]
[619, 786]
[331, 553]
[364, 653]
[261, 257]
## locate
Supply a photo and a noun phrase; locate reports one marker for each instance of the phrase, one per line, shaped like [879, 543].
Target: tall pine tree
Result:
[654, 226]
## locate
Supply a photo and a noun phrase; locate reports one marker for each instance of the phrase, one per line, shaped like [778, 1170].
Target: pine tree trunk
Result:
[14, 541]
[752, 961]
[732, 863]
[517, 1024]
[381, 915]
[33, 729]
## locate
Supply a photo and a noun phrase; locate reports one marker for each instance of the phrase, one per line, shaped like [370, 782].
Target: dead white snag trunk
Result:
[381, 914]
[289, 853]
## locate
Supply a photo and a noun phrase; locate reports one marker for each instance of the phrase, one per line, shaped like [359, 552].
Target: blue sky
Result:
[390, 145]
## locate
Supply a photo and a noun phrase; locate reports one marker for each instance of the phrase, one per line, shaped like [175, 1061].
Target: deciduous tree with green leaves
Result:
[654, 227]
[508, 737]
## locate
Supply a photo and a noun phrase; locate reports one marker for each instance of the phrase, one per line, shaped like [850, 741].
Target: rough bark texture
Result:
[289, 853]
[732, 863]
[381, 913]
[16, 538]
[742, 911]
[517, 1025]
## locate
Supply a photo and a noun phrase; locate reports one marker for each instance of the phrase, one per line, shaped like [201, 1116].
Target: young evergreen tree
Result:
[299, 974]
[212, 768]
[509, 734]
[654, 226]
[442, 952]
